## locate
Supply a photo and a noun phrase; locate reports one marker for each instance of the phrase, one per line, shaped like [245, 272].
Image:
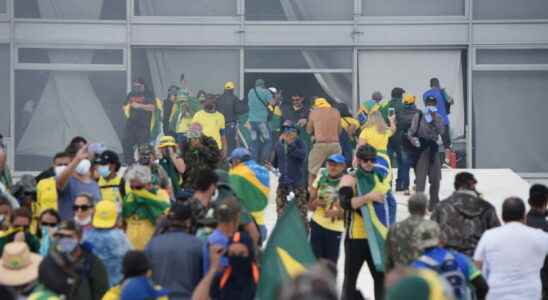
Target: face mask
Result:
[58, 170]
[240, 263]
[104, 171]
[66, 245]
[83, 222]
[431, 109]
[44, 230]
[83, 167]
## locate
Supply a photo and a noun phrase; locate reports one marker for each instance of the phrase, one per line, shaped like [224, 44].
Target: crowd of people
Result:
[182, 214]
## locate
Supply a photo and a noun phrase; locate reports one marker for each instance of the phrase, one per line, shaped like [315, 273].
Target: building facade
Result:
[68, 64]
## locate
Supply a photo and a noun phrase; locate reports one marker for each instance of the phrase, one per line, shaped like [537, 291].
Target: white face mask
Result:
[83, 167]
[83, 222]
[58, 170]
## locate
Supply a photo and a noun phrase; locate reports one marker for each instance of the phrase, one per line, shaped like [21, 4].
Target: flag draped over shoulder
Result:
[287, 254]
[376, 216]
[251, 184]
[145, 205]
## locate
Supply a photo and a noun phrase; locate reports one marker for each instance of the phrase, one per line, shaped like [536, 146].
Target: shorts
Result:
[319, 154]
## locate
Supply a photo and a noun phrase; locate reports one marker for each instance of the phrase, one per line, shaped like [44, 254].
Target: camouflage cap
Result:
[426, 235]
[145, 149]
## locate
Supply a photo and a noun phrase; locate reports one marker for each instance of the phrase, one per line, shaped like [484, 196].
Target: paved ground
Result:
[495, 185]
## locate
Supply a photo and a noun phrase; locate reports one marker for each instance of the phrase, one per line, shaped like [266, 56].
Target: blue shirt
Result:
[257, 110]
[71, 190]
[215, 238]
[290, 160]
[441, 102]
[110, 245]
[463, 262]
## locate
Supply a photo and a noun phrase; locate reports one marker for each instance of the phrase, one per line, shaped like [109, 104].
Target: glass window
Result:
[306, 58]
[292, 10]
[5, 118]
[382, 8]
[3, 7]
[501, 98]
[510, 9]
[65, 104]
[70, 56]
[204, 69]
[71, 9]
[185, 8]
[512, 56]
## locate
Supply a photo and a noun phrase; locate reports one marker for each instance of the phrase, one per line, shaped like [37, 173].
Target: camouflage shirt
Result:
[399, 247]
[463, 218]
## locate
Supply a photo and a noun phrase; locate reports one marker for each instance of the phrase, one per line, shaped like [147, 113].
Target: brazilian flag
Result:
[287, 253]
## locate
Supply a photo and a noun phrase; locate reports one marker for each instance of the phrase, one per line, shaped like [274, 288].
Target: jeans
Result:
[261, 142]
[404, 164]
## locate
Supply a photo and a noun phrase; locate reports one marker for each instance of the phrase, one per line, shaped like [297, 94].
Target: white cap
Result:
[273, 90]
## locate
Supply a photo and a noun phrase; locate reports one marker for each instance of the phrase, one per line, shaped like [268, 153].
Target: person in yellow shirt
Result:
[212, 122]
[327, 221]
[108, 165]
[369, 207]
[142, 206]
[376, 132]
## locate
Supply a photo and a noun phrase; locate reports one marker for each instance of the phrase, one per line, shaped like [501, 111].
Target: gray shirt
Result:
[429, 131]
[176, 259]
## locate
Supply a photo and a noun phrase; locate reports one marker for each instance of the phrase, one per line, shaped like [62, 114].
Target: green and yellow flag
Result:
[287, 254]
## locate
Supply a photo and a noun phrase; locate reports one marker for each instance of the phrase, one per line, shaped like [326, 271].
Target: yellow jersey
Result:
[212, 124]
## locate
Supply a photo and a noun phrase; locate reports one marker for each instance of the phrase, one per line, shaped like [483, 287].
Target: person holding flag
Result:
[142, 206]
[251, 184]
[369, 210]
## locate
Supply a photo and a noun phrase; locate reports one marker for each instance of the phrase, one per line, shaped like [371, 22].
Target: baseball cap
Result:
[240, 154]
[288, 126]
[273, 90]
[144, 149]
[230, 85]
[107, 157]
[167, 141]
[431, 99]
[426, 235]
[105, 215]
[141, 288]
[180, 211]
[226, 210]
[409, 99]
[337, 158]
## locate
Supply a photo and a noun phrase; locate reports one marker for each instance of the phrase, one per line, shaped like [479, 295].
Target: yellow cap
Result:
[105, 214]
[321, 102]
[409, 99]
[230, 85]
[167, 141]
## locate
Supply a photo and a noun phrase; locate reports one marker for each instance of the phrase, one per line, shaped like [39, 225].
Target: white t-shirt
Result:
[512, 257]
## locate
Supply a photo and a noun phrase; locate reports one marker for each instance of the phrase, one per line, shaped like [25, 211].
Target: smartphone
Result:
[391, 111]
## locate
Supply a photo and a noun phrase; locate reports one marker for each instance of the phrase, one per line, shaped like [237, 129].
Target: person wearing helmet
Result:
[231, 107]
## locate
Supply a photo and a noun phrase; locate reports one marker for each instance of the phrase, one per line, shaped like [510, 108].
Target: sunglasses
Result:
[368, 159]
[137, 187]
[60, 236]
[46, 224]
[81, 207]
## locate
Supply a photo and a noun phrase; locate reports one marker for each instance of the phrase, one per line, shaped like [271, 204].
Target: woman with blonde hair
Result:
[376, 132]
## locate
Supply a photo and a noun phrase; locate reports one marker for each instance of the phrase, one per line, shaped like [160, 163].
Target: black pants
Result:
[356, 252]
[134, 136]
[325, 243]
